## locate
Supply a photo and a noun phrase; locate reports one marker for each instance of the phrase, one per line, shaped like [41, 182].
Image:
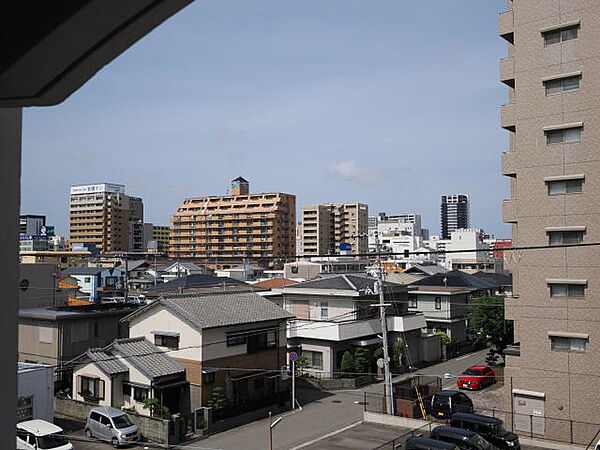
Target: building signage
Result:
[31, 237]
[98, 188]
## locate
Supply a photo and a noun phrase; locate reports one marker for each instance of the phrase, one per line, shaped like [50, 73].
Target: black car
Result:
[489, 428]
[443, 404]
[464, 439]
[421, 443]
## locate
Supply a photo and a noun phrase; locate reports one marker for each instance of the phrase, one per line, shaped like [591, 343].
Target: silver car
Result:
[112, 425]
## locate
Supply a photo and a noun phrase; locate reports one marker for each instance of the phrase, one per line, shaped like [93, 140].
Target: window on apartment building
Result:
[568, 344]
[562, 85]
[561, 35]
[438, 303]
[563, 136]
[163, 340]
[560, 187]
[313, 359]
[412, 301]
[324, 310]
[90, 387]
[567, 290]
[565, 237]
[140, 394]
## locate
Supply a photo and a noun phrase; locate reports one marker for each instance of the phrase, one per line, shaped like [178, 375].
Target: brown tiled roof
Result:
[275, 283]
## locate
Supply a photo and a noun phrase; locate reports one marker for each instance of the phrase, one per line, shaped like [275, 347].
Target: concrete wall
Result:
[31, 348]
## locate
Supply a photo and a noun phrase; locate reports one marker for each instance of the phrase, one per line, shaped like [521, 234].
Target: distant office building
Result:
[31, 224]
[136, 225]
[326, 227]
[103, 215]
[455, 213]
[232, 227]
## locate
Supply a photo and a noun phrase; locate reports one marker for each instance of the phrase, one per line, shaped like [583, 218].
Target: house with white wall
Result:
[221, 338]
[35, 397]
[128, 371]
[98, 282]
[337, 314]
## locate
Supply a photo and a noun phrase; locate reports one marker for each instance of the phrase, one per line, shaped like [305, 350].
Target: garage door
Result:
[529, 412]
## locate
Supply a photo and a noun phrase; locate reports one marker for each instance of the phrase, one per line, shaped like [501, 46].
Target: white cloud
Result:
[356, 173]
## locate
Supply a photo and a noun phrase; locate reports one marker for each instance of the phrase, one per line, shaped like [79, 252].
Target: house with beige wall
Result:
[230, 340]
[127, 372]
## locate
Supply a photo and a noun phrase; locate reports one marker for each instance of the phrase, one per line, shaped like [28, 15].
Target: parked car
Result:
[489, 428]
[421, 443]
[113, 300]
[443, 404]
[112, 425]
[39, 434]
[137, 299]
[476, 377]
[464, 439]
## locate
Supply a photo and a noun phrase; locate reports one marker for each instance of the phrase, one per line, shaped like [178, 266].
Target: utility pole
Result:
[389, 394]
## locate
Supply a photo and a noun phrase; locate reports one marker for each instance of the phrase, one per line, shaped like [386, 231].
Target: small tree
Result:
[444, 338]
[156, 409]
[398, 351]
[347, 364]
[362, 361]
[486, 320]
[218, 399]
[300, 364]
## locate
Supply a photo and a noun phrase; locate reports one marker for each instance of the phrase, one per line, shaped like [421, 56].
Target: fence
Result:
[398, 442]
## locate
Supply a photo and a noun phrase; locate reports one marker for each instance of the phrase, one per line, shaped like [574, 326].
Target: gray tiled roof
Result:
[146, 357]
[342, 282]
[83, 270]
[455, 278]
[106, 362]
[196, 281]
[212, 310]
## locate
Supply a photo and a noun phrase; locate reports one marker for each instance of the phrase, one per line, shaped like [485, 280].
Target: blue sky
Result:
[389, 103]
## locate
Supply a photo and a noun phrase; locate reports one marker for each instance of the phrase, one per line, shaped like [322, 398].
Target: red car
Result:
[476, 377]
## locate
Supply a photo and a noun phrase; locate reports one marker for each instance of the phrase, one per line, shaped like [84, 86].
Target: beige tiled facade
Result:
[325, 227]
[567, 380]
[229, 228]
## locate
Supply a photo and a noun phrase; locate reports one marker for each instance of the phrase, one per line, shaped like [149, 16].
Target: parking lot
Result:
[369, 436]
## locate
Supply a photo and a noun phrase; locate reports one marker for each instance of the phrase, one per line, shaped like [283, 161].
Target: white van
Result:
[39, 434]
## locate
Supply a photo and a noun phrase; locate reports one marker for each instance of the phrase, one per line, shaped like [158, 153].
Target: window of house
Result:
[324, 310]
[236, 339]
[87, 279]
[568, 344]
[313, 359]
[162, 340]
[563, 136]
[208, 378]
[560, 187]
[438, 303]
[561, 35]
[565, 237]
[562, 85]
[140, 394]
[567, 290]
[294, 269]
[91, 387]
[412, 301]
[262, 341]
[126, 390]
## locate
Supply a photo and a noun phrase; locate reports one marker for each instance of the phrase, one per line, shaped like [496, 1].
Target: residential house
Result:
[243, 272]
[443, 297]
[98, 282]
[502, 282]
[197, 283]
[57, 335]
[337, 314]
[235, 341]
[181, 269]
[128, 371]
[315, 268]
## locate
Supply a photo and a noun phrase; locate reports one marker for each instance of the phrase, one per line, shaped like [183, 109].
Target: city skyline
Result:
[318, 110]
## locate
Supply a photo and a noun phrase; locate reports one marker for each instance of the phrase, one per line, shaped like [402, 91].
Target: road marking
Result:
[306, 444]
[463, 357]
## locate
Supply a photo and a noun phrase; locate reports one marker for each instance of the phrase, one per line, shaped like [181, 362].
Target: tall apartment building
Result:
[101, 214]
[325, 227]
[162, 234]
[232, 227]
[455, 213]
[553, 119]
[136, 225]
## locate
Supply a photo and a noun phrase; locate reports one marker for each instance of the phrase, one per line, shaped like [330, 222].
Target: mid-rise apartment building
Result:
[31, 224]
[455, 213]
[162, 234]
[553, 120]
[229, 228]
[325, 227]
[104, 216]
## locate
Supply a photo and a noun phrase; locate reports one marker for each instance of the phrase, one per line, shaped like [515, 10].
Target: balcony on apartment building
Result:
[341, 331]
[506, 25]
[509, 210]
[507, 117]
[507, 71]
[509, 164]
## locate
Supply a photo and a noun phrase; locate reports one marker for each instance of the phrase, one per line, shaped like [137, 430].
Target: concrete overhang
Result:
[49, 49]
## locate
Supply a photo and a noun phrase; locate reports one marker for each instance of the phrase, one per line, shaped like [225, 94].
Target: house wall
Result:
[31, 348]
[337, 306]
[74, 343]
[452, 306]
[42, 279]
[135, 376]
[39, 383]
[92, 369]
[328, 355]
